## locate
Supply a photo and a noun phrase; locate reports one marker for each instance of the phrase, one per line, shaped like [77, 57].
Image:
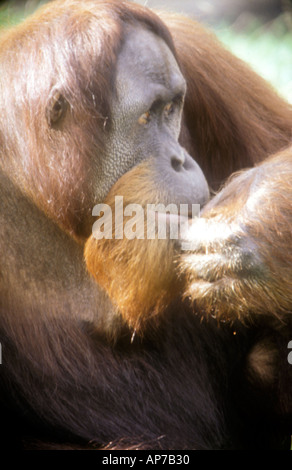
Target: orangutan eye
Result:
[56, 108]
[169, 109]
[144, 118]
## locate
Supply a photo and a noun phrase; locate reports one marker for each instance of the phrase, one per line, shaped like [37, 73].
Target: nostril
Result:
[177, 162]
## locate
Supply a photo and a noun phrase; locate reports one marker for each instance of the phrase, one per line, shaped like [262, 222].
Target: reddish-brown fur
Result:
[240, 259]
[182, 384]
[138, 274]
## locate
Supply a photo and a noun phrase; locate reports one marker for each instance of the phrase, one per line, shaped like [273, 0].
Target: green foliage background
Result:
[267, 48]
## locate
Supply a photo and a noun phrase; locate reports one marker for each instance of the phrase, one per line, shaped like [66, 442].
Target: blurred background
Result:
[258, 31]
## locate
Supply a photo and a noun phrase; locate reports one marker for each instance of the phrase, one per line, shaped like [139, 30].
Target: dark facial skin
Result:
[146, 120]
